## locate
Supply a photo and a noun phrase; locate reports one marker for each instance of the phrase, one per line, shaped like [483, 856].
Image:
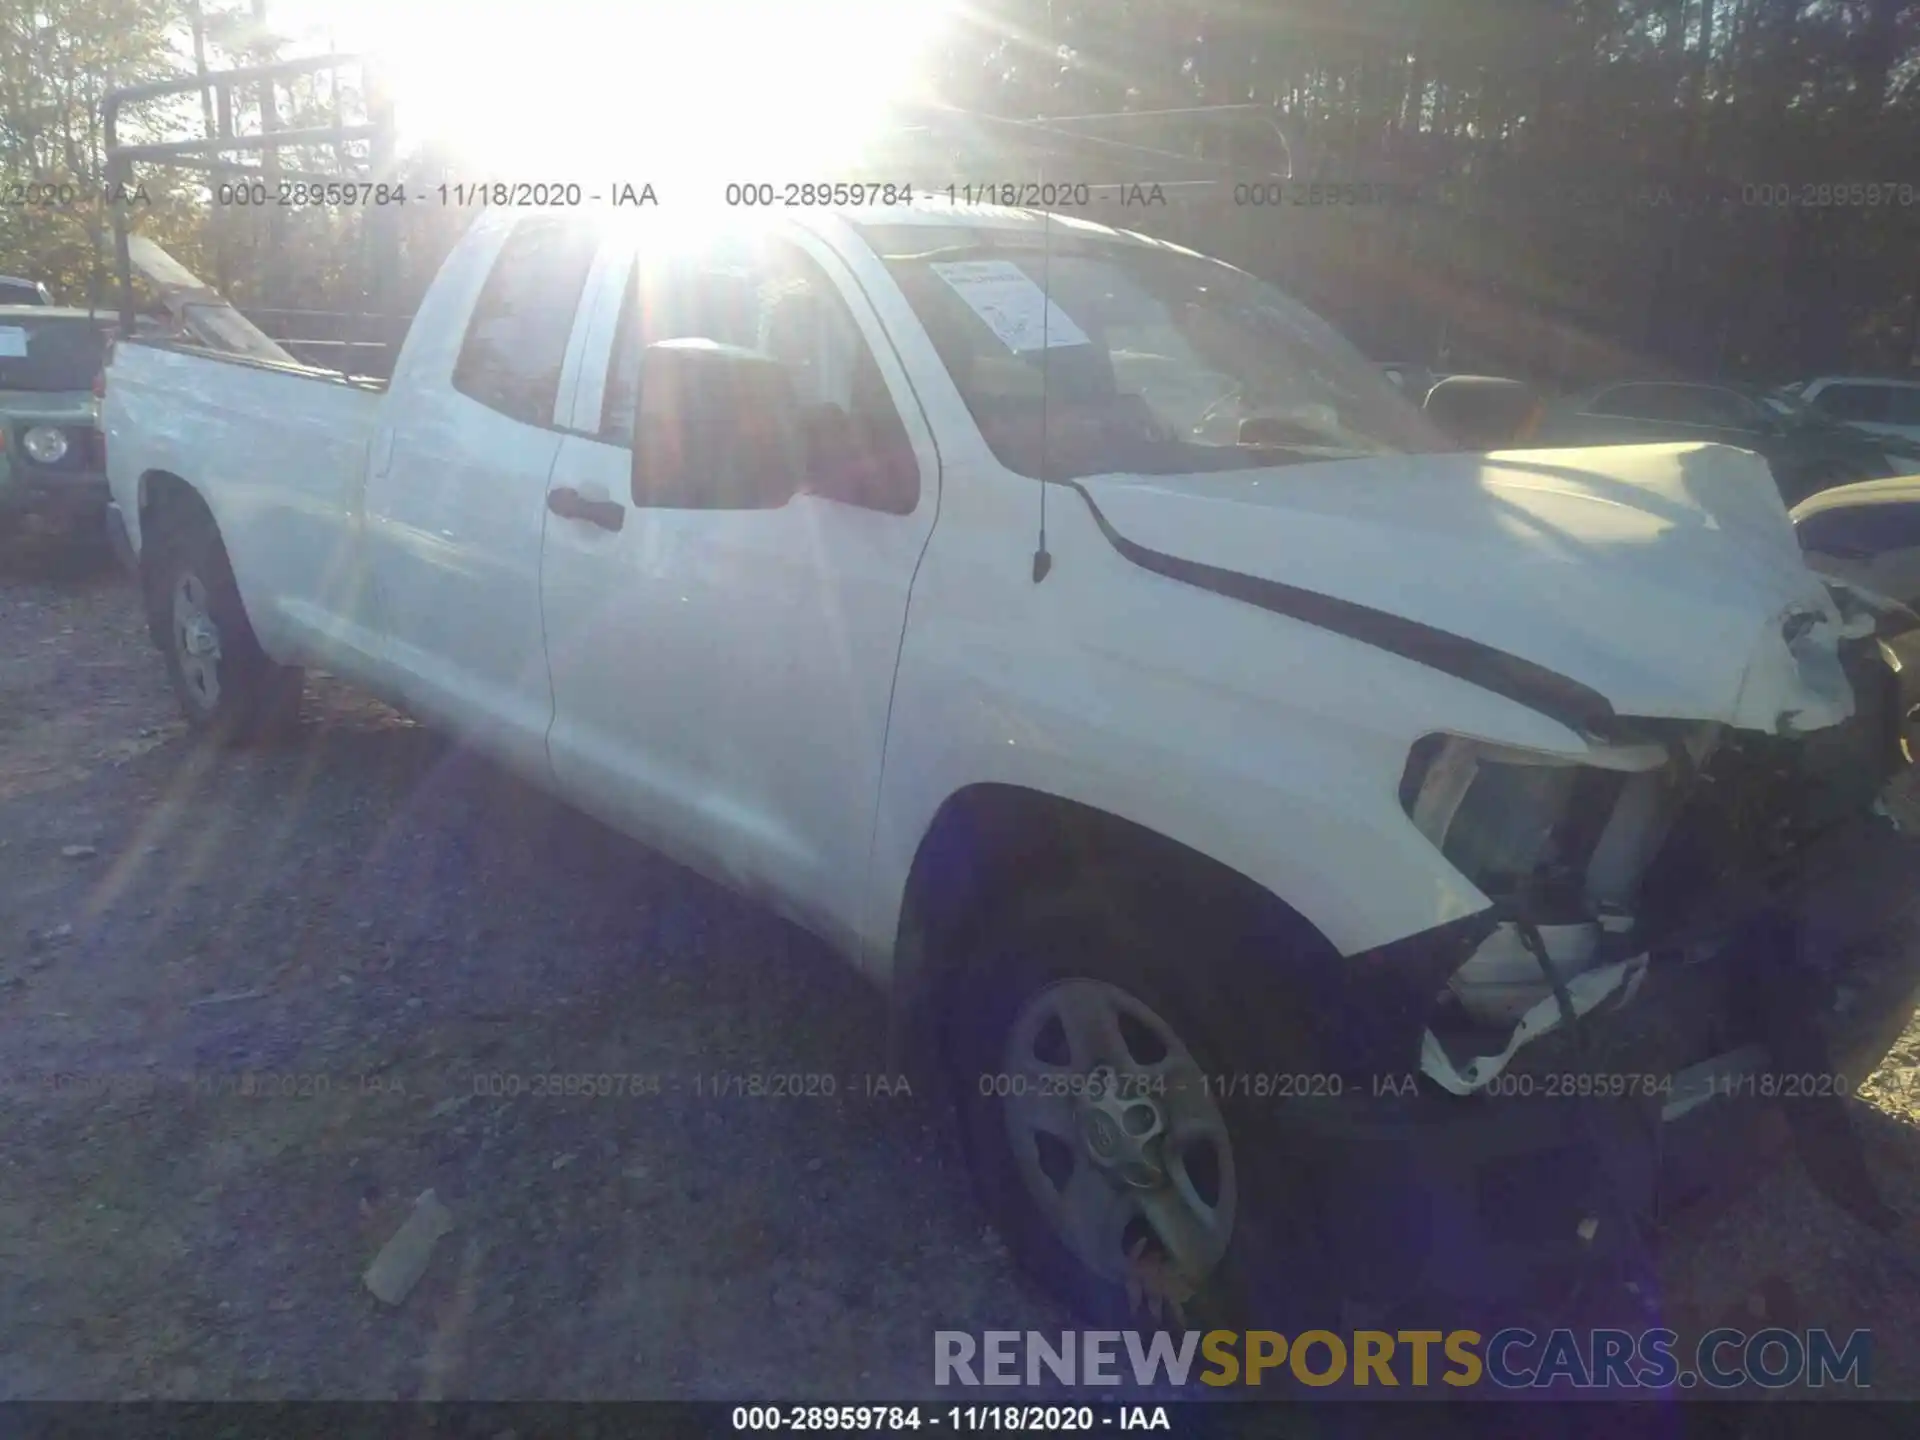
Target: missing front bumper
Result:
[1591, 1135]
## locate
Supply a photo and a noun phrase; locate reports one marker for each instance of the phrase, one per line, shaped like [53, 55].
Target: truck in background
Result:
[17, 291]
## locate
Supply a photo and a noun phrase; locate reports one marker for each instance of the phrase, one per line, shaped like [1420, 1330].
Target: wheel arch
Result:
[160, 492]
[161, 496]
[993, 841]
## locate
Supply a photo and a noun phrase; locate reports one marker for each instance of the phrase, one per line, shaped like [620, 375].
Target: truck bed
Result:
[277, 451]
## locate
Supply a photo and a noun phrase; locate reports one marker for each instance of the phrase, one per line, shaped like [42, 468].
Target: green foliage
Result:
[57, 59]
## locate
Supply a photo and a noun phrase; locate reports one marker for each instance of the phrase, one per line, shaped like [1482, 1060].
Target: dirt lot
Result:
[375, 920]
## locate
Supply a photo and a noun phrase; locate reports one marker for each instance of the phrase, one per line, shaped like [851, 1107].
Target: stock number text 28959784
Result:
[808, 194]
[811, 194]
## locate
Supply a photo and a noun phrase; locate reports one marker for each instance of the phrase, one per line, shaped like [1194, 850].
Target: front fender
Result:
[1299, 794]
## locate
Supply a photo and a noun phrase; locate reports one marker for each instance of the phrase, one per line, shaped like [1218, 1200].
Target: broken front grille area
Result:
[1689, 850]
[1759, 802]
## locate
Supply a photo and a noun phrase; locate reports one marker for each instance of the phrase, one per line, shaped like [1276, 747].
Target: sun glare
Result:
[693, 94]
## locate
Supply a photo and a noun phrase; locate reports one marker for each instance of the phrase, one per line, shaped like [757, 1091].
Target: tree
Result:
[1604, 180]
[58, 58]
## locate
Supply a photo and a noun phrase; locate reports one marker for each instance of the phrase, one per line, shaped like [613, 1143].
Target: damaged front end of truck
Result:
[1699, 940]
[1694, 882]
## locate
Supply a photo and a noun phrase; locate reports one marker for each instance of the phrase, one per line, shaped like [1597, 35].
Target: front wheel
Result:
[1092, 1059]
[227, 686]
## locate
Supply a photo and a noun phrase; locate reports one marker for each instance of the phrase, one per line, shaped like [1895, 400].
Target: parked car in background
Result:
[1806, 450]
[1869, 536]
[16, 291]
[1878, 406]
[1867, 533]
[52, 463]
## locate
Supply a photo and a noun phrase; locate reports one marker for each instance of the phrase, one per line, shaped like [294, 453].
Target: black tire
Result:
[250, 698]
[1271, 1273]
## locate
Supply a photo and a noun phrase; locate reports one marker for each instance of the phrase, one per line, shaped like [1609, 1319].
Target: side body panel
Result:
[278, 456]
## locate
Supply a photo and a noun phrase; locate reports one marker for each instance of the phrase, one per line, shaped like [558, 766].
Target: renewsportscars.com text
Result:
[1510, 1359]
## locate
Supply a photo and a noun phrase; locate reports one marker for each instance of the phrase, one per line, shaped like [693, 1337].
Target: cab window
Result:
[773, 298]
[516, 340]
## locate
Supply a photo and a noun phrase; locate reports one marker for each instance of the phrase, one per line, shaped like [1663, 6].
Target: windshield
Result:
[63, 353]
[1101, 355]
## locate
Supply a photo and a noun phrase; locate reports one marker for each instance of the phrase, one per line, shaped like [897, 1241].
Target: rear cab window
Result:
[516, 340]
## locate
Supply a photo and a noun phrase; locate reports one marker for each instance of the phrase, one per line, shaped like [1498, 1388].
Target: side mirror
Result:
[1481, 412]
[718, 429]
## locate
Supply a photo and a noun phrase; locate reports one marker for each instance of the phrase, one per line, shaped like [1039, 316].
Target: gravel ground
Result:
[384, 926]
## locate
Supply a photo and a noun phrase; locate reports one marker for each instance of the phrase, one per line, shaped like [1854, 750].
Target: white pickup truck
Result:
[1242, 795]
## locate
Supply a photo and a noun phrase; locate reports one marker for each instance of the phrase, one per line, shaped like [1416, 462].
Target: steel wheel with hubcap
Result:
[196, 639]
[1117, 1137]
[227, 685]
[1085, 1050]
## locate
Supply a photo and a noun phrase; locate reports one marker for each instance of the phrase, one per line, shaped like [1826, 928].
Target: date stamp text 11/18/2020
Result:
[460, 194]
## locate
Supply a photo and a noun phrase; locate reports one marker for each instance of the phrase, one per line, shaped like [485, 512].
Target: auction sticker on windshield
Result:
[1013, 307]
[13, 343]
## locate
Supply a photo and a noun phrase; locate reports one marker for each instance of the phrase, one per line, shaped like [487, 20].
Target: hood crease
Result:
[1645, 582]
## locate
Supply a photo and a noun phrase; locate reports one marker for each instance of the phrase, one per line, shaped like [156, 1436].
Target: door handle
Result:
[569, 504]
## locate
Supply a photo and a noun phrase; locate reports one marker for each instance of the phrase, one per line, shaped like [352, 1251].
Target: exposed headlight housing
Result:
[1558, 842]
[1521, 822]
[46, 444]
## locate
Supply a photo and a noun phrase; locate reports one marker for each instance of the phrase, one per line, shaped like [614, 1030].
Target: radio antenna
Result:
[1042, 560]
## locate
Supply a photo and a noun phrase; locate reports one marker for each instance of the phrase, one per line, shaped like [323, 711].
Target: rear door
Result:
[456, 494]
[721, 675]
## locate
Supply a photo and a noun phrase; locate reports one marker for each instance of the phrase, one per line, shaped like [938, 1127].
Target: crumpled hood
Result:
[1665, 577]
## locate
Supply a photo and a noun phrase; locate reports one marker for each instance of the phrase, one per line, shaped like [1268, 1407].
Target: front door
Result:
[722, 676]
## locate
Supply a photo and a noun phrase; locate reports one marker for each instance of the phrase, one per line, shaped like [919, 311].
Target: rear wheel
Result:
[226, 685]
[1092, 1059]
